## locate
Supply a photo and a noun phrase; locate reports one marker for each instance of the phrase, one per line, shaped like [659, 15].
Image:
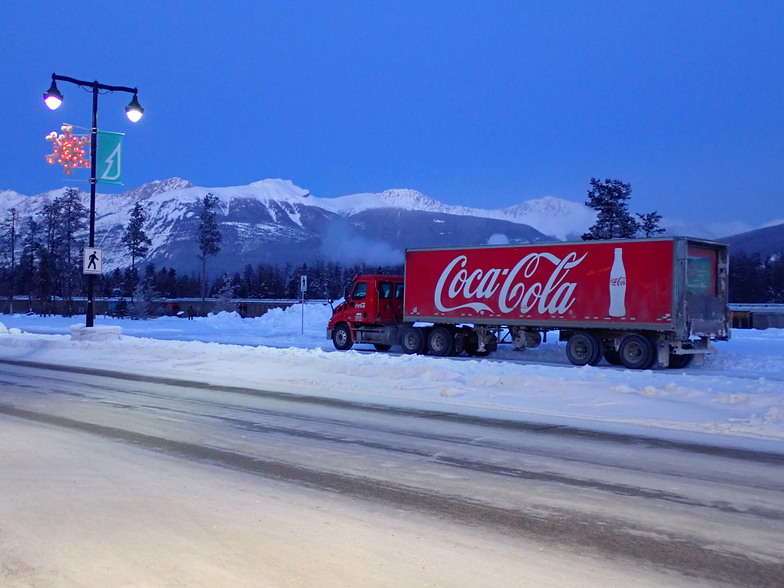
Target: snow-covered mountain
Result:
[275, 221]
[765, 241]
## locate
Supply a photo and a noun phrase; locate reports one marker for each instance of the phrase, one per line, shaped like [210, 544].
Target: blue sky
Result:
[481, 104]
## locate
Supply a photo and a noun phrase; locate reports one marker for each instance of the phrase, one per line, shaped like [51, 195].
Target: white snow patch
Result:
[736, 398]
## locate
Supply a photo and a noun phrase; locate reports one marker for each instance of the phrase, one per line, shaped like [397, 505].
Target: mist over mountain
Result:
[276, 222]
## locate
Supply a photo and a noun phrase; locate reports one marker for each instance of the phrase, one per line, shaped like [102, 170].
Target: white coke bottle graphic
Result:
[618, 285]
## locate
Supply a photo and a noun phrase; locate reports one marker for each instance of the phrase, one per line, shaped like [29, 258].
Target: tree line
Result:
[757, 280]
[40, 258]
[325, 279]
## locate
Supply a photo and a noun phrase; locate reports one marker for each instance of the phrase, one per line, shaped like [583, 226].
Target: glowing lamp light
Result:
[134, 110]
[52, 97]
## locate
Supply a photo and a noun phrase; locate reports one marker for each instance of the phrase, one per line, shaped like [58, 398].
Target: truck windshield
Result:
[360, 291]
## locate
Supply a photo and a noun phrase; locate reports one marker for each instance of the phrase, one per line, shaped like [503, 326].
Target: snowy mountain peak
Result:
[553, 216]
[546, 205]
[278, 189]
[151, 189]
[396, 198]
[160, 186]
[405, 198]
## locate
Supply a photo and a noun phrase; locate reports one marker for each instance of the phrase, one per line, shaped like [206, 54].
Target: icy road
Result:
[117, 479]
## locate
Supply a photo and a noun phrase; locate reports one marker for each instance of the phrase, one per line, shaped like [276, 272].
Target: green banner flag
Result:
[109, 158]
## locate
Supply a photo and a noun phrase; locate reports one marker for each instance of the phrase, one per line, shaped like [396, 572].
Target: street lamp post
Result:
[53, 98]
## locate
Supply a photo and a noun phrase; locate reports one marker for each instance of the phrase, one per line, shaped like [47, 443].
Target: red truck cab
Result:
[375, 301]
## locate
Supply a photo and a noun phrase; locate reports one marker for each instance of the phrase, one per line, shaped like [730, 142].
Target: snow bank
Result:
[736, 398]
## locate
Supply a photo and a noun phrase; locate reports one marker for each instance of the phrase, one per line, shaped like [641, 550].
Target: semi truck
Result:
[631, 302]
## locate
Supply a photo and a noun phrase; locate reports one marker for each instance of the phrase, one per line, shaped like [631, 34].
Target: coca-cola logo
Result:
[460, 286]
[618, 281]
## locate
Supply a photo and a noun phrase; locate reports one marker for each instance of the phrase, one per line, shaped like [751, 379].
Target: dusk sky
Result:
[483, 104]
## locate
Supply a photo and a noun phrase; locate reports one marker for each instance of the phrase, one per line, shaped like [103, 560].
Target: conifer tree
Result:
[610, 201]
[135, 239]
[649, 224]
[208, 235]
[73, 219]
[10, 238]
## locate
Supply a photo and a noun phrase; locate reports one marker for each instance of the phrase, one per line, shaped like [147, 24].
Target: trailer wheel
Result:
[441, 342]
[612, 356]
[341, 337]
[584, 349]
[412, 339]
[472, 345]
[637, 352]
[678, 362]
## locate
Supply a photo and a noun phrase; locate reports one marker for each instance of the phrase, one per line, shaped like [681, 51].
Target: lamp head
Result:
[134, 110]
[52, 97]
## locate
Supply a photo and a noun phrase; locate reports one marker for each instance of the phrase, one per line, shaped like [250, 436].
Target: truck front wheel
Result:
[341, 337]
[441, 342]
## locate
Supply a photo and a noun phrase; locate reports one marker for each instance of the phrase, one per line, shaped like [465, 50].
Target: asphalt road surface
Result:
[109, 479]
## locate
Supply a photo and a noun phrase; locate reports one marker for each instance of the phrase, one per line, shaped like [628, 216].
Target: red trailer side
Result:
[584, 284]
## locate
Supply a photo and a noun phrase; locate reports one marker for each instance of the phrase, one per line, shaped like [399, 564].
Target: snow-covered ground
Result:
[736, 399]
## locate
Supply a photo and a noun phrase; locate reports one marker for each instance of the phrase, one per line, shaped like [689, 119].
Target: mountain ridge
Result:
[276, 221]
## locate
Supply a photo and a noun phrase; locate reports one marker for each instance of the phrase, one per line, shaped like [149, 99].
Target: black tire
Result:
[341, 337]
[584, 349]
[471, 344]
[382, 347]
[637, 352]
[533, 339]
[678, 362]
[412, 340]
[460, 342]
[441, 342]
[612, 356]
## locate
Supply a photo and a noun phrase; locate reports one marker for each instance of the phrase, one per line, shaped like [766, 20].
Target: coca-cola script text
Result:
[538, 280]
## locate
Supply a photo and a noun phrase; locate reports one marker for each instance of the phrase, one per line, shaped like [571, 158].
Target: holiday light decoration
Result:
[68, 150]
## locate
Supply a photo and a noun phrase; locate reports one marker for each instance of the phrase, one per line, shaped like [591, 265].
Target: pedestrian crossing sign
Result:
[93, 261]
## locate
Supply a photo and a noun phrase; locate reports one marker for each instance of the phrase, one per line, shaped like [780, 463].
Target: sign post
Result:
[303, 287]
